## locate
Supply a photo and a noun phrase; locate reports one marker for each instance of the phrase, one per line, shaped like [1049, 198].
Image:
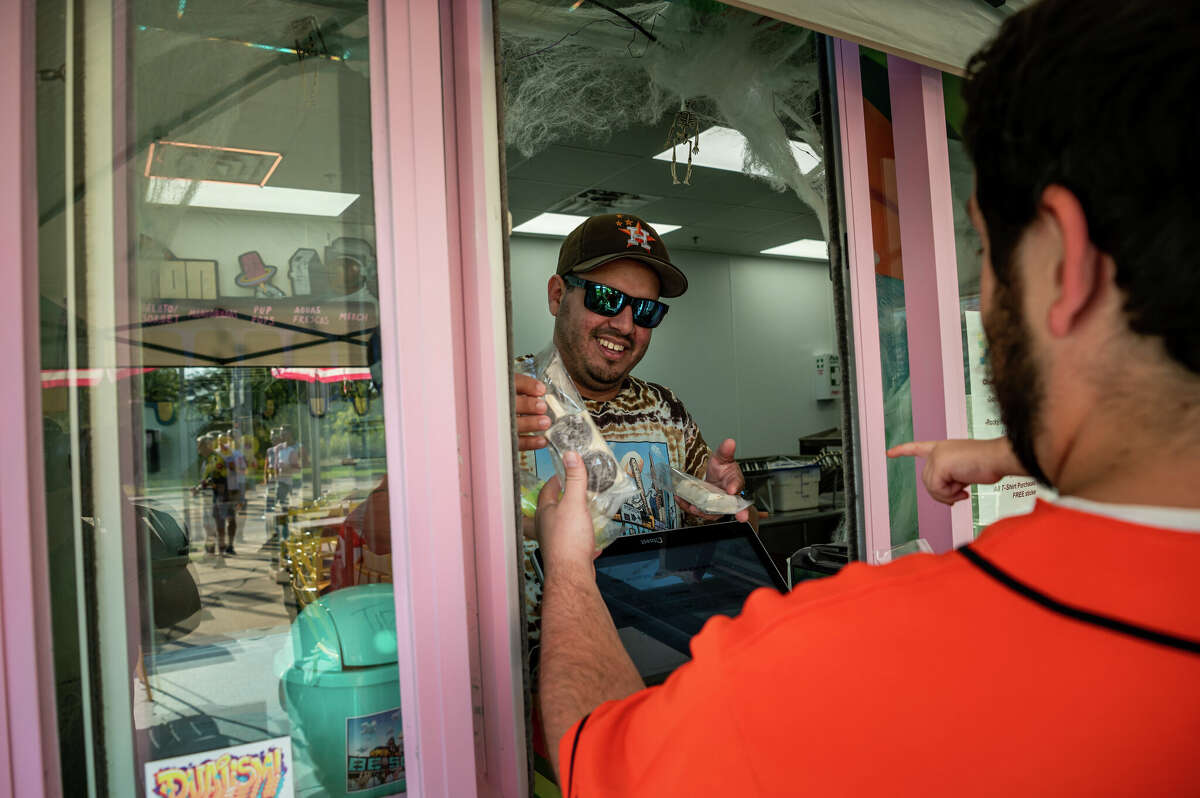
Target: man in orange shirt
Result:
[1060, 653]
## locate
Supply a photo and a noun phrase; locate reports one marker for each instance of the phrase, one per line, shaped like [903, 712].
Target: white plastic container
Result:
[795, 488]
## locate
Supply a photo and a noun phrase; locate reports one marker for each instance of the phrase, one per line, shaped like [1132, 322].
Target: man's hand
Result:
[723, 471]
[952, 465]
[564, 525]
[583, 663]
[532, 421]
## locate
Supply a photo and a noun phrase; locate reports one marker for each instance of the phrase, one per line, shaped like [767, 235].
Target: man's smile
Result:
[610, 348]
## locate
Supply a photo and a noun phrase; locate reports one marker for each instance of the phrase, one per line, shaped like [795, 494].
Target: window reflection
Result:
[889, 289]
[264, 491]
[227, 465]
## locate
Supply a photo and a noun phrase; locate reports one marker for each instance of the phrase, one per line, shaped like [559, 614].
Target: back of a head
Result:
[1098, 97]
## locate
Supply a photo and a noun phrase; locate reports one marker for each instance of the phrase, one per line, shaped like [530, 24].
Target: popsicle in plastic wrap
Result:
[572, 429]
[706, 497]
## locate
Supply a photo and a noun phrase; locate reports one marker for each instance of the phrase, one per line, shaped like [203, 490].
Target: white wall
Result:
[737, 347]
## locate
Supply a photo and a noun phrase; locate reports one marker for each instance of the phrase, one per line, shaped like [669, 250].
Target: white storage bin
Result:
[794, 488]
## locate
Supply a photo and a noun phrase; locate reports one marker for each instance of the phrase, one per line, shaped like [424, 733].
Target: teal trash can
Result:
[343, 692]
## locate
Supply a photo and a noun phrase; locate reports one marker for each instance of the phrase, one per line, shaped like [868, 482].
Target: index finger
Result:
[912, 449]
[527, 386]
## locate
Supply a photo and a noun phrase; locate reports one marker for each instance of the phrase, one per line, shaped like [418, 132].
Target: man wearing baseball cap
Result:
[606, 298]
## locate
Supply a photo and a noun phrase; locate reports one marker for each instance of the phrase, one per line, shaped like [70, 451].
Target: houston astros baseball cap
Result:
[615, 236]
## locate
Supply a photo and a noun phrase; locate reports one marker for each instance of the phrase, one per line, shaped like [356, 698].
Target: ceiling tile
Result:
[536, 195]
[746, 220]
[522, 215]
[683, 211]
[781, 201]
[720, 211]
[654, 177]
[573, 165]
[800, 226]
[706, 239]
[513, 158]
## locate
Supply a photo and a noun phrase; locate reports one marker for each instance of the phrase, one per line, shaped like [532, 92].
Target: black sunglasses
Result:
[608, 301]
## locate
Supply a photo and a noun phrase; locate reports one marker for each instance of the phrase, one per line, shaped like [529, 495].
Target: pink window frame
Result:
[450, 438]
[864, 303]
[29, 763]
[931, 304]
[930, 288]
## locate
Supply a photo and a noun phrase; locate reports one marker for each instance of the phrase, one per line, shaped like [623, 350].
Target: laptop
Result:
[661, 587]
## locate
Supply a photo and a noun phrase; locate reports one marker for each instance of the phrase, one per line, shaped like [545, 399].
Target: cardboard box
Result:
[795, 488]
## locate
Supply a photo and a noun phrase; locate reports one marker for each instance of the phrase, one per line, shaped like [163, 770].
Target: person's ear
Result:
[1081, 270]
[555, 289]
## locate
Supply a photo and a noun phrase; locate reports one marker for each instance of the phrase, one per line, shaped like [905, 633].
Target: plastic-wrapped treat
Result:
[572, 430]
[571, 434]
[706, 497]
[601, 469]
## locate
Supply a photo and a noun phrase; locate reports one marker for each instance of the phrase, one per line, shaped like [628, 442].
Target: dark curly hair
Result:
[1099, 97]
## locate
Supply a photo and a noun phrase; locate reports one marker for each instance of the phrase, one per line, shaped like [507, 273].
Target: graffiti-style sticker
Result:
[252, 770]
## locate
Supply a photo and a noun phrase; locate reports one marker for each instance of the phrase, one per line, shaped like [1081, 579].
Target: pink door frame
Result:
[28, 726]
[446, 395]
[930, 288]
[499, 588]
[864, 303]
[931, 304]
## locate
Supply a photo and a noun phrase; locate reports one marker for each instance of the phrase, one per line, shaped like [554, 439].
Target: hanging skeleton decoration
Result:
[685, 130]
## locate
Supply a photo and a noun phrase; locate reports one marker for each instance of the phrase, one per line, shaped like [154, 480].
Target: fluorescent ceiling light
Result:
[724, 148]
[209, 162]
[560, 224]
[244, 197]
[804, 248]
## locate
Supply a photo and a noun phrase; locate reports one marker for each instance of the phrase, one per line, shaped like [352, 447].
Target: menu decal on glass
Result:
[1011, 495]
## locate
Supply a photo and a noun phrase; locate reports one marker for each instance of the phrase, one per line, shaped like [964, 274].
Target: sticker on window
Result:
[375, 751]
[263, 769]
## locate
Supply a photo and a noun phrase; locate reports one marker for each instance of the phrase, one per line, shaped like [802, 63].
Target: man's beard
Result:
[1016, 379]
[572, 345]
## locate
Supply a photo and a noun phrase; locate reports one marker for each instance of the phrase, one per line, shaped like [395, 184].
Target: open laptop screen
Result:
[661, 587]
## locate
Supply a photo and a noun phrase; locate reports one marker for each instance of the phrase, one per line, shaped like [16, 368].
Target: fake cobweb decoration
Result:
[586, 73]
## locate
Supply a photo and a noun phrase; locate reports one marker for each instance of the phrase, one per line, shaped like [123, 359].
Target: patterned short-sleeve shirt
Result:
[649, 431]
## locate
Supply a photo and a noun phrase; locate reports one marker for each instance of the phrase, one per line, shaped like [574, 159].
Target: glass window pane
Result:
[1012, 495]
[889, 288]
[721, 155]
[216, 474]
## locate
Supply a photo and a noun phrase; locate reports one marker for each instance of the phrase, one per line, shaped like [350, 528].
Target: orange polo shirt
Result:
[930, 677]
